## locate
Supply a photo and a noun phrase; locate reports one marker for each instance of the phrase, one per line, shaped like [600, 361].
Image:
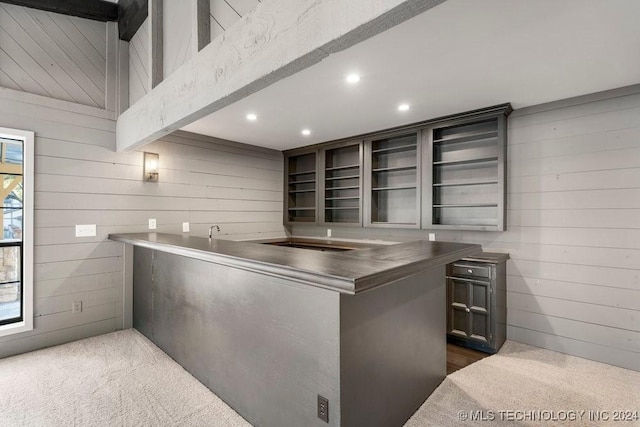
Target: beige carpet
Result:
[118, 379]
[529, 386]
[123, 379]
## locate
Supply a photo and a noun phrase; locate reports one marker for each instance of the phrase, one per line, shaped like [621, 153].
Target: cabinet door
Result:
[459, 302]
[479, 315]
[469, 309]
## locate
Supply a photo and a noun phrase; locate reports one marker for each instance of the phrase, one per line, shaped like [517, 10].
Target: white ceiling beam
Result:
[274, 41]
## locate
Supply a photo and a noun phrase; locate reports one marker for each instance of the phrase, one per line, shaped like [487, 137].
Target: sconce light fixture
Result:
[151, 167]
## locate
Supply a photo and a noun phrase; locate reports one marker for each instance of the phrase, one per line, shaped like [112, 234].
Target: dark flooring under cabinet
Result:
[458, 357]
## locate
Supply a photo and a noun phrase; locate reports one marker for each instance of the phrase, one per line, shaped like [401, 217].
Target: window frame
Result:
[28, 177]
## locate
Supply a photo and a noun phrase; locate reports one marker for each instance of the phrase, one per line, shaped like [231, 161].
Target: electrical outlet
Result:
[432, 237]
[328, 232]
[86, 230]
[152, 223]
[76, 307]
[185, 227]
[323, 408]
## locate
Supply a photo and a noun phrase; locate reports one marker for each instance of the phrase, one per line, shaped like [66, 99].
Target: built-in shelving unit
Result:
[301, 188]
[467, 174]
[443, 173]
[393, 180]
[342, 192]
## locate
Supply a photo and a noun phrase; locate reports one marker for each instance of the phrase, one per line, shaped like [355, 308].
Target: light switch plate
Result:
[328, 232]
[152, 223]
[185, 227]
[85, 230]
[432, 237]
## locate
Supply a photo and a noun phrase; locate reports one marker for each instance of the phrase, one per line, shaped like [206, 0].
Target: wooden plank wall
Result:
[177, 34]
[139, 63]
[53, 55]
[225, 13]
[573, 229]
[80, 179]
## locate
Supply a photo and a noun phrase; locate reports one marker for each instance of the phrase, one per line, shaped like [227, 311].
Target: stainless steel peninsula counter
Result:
[270, 329]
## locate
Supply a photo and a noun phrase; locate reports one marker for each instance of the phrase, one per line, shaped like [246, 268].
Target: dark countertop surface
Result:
[346, 272]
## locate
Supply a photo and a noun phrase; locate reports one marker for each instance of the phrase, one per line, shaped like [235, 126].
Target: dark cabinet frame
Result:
[323, 188]
[424, 173]
[499, 114]
[370, 170]
[487, 273]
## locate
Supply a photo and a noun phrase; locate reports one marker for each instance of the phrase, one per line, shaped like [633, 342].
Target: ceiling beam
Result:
[98, 10]
[277, 39]
[131, 15]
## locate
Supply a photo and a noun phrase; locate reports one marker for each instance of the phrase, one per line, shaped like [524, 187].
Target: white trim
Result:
[27, 232]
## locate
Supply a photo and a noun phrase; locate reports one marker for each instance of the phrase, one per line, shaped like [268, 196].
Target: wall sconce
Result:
[151, 167]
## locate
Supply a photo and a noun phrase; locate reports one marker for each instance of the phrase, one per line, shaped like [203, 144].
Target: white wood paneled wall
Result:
[139, 63]
[225, 13]
[573, 229]
[177, 34]
[81, 180]
[53, 55]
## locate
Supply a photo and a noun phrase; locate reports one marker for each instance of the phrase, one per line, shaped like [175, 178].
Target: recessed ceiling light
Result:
[252, 117]
[403, 107]
[353, 78]
[306, 132]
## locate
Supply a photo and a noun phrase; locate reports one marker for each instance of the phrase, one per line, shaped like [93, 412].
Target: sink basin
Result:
[315, 244]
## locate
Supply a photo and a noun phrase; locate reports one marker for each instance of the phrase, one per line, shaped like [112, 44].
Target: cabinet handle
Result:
[468, 310]
[470, 271]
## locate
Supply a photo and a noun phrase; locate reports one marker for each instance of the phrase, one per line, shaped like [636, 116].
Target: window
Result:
[16, 245]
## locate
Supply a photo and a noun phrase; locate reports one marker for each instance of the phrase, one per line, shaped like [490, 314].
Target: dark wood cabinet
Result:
[466, 184]
[341, 184]
[476, 299]
[392, 183]
[301, 188]
[446, 173]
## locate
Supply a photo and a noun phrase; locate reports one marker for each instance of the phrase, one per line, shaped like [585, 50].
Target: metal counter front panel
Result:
[265, 346]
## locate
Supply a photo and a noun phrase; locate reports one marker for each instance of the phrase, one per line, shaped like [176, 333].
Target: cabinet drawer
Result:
[459, 269]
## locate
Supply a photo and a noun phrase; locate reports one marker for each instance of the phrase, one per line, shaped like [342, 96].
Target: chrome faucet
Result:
[211, 230]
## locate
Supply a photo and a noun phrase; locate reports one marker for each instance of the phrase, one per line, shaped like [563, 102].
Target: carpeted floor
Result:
[123, 379]
[118, 379]
[529, 386]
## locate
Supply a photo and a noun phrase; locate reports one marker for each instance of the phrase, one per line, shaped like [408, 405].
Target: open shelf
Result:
[395, 168]
[349, 187]
[303, 191]
[342, 182]
[343, 198]
[302, 183]
[302, 173]
[469, 205]
[337, 168]
[467, 174]
[406, 147]
[306, 181]
[394, 186]
[402, 187]
[464, 184]
[467, 137]
[466, 162]
[333, 178]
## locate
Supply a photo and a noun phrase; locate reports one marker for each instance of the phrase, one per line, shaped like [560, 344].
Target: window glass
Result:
[11, 189]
